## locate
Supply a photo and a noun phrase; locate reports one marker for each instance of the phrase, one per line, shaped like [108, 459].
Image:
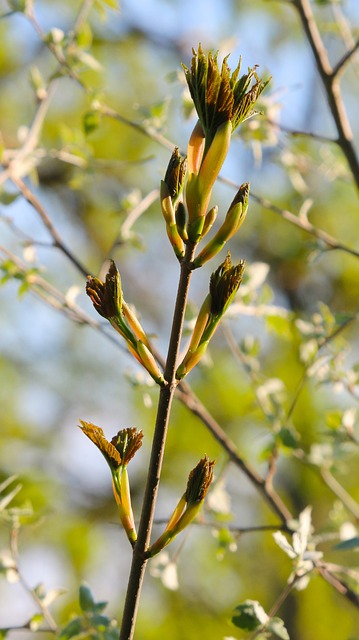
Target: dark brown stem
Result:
[139, 559]
[330, 78]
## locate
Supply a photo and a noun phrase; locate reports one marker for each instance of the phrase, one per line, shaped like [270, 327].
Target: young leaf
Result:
[249, 615]
[277, 629]
[87, 602]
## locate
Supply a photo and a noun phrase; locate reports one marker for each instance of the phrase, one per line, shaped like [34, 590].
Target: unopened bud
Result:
[224, 284]
[189, 505]
[106, 296]
[235, 217]
[176, 174]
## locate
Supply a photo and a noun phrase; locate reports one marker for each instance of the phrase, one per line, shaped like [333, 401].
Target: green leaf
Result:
[91, 121]
[277, 629]
[249, 615]
[87, 602]
[17, 5]
[280, 325]
[72, 629]
[346, 545]
[289, 437]
[6, 197]
[36, 621]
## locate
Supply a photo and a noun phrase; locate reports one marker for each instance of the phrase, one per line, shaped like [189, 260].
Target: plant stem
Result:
[139, 559]
[330, 78]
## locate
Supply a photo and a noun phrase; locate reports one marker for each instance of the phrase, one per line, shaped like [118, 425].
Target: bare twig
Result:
[344, 61]
[39, 602]
[330, 78]
[338, 584]
[350, 504]
[321, 345]
[57, 241]
[300, 222]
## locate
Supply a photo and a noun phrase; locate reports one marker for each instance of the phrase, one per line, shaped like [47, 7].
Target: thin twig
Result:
[330, 80]
[298, 221]
[343, 62]
[338, 584]
[340, 492]
[321, 344]
[32, 199]
[42, 607]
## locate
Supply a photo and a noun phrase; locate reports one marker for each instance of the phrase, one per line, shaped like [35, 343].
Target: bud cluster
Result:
[118, 454]
[223, 100]
[107, 299]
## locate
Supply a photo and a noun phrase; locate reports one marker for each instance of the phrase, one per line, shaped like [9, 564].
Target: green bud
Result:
[189, 505]
[181, 221]
[235, 217]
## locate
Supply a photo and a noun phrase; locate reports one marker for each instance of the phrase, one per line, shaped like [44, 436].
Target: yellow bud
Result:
[213, 161]
[175, 240]
[166, 203]
[209, 220]
[195, 149]
[134, 324]
[147, 359]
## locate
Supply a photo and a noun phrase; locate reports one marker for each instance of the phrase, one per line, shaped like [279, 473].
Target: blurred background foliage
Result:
[116, 103]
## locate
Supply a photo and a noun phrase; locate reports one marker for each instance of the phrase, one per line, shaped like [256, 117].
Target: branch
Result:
[298, 221]
[330, 78]
[341, 65]
[338, 584]
[57, 241]
[139, 559]
[42, 607]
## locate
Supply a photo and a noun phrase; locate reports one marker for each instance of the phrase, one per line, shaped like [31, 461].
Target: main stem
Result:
[139, 560]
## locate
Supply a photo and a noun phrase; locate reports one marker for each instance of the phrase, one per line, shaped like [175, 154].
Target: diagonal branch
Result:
[344, 61]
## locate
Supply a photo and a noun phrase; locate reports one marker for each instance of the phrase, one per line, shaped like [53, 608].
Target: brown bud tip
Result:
[97, 436]
[199, 480]
[224, 284]
[106, 296]
[127, 442]
[175, 174]
[241, 196]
